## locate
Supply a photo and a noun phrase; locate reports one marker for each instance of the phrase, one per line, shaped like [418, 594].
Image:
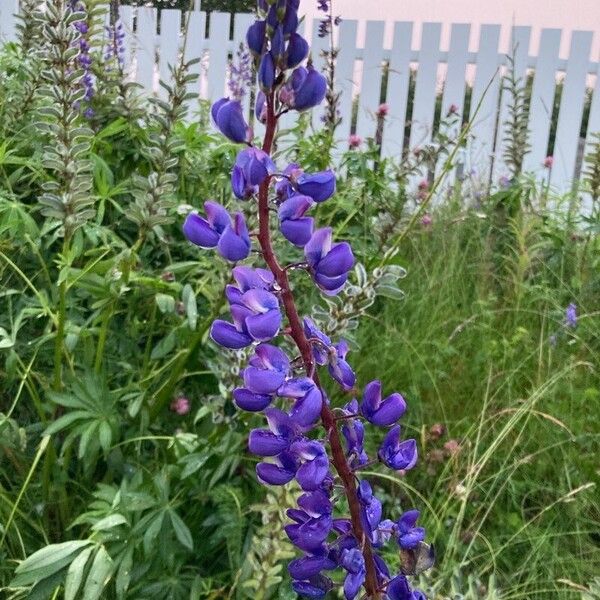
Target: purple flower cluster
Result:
[240, 76]
[115, 44]
[301, 441]
[84, 59]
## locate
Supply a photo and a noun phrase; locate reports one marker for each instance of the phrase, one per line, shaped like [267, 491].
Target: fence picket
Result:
[344, 84]
[542, 99]
[145, 50]
[126, 15]
[218, 39]
[170, 44]
[370, 89]
[8, 20]
[194, 48]
[519, 53]
[397, 90]
[454, 89]
[591, 139]
[241, 22]
[484, 98]
[571, 111]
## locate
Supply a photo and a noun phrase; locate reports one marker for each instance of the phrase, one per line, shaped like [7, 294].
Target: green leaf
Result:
[164, 346]
[182, 531]
[45, 562]
[191, 306]
[105, 436]
[75, 574]
[153, 531]
[124, 574]
[99, 575]
[165, 303]
[66, 420]
[109, 522]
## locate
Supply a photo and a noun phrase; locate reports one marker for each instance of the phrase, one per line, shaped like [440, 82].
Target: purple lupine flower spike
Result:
[290, 448]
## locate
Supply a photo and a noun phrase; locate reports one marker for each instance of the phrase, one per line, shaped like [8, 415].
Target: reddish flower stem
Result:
[297, 333]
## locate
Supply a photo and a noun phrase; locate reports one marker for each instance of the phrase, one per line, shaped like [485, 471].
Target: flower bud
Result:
[297, 50]
[255, 37]
[229, 118]
[266, 72]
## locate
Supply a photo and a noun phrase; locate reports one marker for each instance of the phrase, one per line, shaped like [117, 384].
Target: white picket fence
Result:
[359, 76]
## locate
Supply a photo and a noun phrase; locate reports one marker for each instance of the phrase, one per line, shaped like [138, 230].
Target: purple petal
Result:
[248, 400]
[264, 327]
[271, 474]
[306, 567]
[338, 261]
[298, 231]
[352, 584]
[315, 503]
[318, 245]
[199, 231]
[265, 443]
[232, 246]
[391, 409]
[260, 301]
[217, 215]
[263, 381]
[307, 410]
[319, 186]
[225, 334]
[311, 474]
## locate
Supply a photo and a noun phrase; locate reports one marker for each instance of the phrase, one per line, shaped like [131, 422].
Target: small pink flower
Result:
[423, 185]
[437, 430]
[383, 110]
[426, 220]
[180, 405]
[453, 109]
[548, 162]
[423, 189]
[452, 447]
[355, 140]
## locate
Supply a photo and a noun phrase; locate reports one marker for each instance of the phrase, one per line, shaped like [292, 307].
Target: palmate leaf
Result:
[46, 561]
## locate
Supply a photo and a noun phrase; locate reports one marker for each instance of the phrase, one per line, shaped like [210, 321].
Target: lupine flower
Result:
[398, 589]
[297, 50]
[252, 167]
[229, 118]
[354, 433]
[332, 355]
[330, 262]
[295, 227]
[255, 312]
[219, 230]
[408, 534]
[180, 405]
[289, 447]
[240, 74]
[571, 316]
[504, 182]
[398, 455]
[305, 89]
[115, 44]
[267, 371]
[381, 412]
[354, 141]
[353, 561]
[255, 37]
